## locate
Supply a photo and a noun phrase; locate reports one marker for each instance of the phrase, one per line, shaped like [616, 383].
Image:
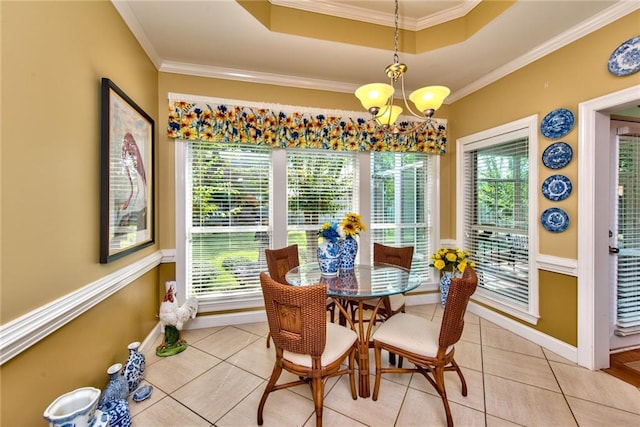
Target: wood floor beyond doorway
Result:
[626, 366]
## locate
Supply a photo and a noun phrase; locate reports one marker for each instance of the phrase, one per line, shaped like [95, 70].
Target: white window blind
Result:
[321, 187]
[227, 218]
[628, 289]
[401, 203]
[496, 209]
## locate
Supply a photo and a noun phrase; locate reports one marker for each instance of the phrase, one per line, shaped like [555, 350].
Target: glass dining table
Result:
[364, 282]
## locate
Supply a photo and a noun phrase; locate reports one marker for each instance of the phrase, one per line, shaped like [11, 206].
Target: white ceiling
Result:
[218, 38]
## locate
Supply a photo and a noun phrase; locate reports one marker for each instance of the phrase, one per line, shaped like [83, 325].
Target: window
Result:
[496, 211]
[234, 200]
[401, 203]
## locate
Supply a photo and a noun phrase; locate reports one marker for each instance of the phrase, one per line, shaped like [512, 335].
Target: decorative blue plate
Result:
[556, 187]
[557, 155]
[625, 59]
[555, 220]
[557, 123]
[142, 393]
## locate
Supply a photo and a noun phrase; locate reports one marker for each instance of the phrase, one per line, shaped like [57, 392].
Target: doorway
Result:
[624, 243]
[594, 194]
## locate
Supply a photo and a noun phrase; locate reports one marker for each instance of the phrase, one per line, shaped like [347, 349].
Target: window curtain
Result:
[220, 122]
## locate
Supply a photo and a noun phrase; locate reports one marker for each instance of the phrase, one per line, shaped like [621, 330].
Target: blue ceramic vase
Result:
[348, 251]
[119, 414]
[134, 368]
[116, 388]
[445, 284]
[328, 257]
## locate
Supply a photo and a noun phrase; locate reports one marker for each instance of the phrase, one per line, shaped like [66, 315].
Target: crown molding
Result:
[355, 13]
[255, 77]
[134, 25]
[608, 16]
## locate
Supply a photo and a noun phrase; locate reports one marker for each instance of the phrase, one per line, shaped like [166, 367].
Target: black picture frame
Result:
[127, 175]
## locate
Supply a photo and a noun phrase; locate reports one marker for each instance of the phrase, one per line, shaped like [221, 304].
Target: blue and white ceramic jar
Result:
[445, 284]
[348, 251]
[119, 414]
[328, 257]
[116, 388]
[134, 368]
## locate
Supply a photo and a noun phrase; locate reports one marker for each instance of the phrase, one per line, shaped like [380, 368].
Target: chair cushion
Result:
[339, 339]
[409, 332]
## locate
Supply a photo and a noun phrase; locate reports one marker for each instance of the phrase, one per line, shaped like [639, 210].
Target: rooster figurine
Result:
[172, 319]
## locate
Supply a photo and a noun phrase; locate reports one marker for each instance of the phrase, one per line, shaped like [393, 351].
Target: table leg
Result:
[363, 354]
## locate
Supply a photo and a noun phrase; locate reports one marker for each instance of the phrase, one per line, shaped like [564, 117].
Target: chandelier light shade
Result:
[377, 98]
[374, 96]
[429, 99]
[389, 114]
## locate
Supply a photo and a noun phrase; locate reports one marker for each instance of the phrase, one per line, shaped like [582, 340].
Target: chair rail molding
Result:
[24, 331]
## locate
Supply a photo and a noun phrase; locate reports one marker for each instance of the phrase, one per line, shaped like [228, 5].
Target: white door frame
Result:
[593, 240]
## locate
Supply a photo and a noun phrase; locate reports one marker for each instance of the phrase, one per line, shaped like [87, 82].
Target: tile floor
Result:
[219, 379]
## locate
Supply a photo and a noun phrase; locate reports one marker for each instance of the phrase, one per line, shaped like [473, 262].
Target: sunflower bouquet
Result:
[451, 259]
[351, 225]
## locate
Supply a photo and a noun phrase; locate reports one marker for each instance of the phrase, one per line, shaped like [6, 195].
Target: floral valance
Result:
[267, 126]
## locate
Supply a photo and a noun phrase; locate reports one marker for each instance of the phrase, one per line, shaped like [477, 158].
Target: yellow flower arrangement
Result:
[352, 225]
[451, 259]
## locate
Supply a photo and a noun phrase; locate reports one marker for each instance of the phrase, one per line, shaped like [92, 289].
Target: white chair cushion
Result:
[339, 339]
[409, 332]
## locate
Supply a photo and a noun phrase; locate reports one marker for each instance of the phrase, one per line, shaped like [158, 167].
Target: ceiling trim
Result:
[608, 16]
[134, 25]
[381, 18]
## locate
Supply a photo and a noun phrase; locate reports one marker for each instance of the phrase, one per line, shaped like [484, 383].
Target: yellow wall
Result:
[53, 57]
[574, 74]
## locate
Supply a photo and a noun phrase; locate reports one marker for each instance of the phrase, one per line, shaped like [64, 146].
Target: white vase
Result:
[77, 408]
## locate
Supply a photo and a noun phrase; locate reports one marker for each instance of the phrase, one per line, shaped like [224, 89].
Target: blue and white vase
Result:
[328, 257]
[77, 408]
[134, 368]
[445, 284]
[116, 388]
[348, 251]
[119, 414]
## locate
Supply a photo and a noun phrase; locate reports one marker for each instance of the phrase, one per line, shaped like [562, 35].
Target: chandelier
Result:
[377, 98]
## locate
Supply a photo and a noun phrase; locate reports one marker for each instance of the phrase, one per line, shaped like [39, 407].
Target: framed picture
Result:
[127, 191]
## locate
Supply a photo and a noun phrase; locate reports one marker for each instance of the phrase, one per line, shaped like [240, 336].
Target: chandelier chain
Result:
[396, 58]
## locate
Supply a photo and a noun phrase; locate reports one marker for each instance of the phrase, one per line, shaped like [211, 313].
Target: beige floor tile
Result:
[331, 418]
[471, 333]
[255, 358]
[398, 378]
[422, 409]
[487, 324]
[259, 328]
[499, 422]
[173, 372]
[217, 391]
[367, 411]
[426, 310]
[505, 340]
[226, 342]
[150, 355]
[475, 388]
[469, 355]
[519, 367]
[168, 412]
[597, 386]
[192, 336]
[556, 357]
[525, 404]
[283, 408]
[591, 414]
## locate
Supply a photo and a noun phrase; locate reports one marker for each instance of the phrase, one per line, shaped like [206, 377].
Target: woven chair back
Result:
[296, 315]
[453, 320]
[402, 257]
[279, 261]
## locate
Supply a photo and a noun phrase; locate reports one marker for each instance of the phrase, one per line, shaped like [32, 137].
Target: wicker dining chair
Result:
[305, 343]
[279, 262]
[428, 345]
